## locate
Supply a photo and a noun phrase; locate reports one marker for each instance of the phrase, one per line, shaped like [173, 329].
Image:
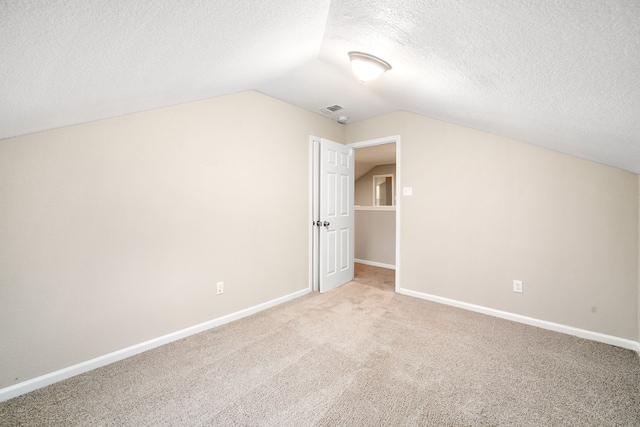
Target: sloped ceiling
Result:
[561, 75]
[368, 158]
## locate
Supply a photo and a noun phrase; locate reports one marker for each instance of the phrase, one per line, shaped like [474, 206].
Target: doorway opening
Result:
[377, 203]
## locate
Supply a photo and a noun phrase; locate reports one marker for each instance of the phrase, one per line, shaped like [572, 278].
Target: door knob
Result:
[326, 224]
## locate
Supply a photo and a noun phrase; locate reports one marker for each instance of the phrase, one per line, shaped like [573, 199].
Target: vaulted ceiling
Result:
[564, 75]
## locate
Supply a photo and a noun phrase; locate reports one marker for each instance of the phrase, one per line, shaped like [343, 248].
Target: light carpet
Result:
[359, 355]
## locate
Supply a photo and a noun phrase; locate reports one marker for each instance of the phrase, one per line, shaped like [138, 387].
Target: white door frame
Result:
[314, 187]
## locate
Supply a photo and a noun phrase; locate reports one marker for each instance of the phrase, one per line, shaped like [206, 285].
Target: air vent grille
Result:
[331, 108]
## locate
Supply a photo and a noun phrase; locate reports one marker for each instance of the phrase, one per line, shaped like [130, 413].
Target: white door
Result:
[336, 215]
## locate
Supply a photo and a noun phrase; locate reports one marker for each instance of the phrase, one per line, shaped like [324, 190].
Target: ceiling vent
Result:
[331, 108]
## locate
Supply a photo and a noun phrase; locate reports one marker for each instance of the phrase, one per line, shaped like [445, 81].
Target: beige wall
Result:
[115, 232]
[375, 236]
[487, 210]
[364, 185]
[375, 231]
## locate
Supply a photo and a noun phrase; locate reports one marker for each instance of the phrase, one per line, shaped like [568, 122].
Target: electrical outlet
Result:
[517, 286]
[220, 288]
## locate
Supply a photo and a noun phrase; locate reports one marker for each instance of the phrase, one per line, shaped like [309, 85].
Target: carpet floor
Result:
[359, 355]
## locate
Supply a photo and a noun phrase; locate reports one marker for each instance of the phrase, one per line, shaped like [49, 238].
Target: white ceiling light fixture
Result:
[367, 67]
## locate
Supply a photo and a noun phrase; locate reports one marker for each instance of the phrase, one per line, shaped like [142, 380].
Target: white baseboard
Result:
[80, 368]
[375, 264]
[582, 333]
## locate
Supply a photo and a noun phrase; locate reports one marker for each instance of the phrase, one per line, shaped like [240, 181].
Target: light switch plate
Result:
[407, 191]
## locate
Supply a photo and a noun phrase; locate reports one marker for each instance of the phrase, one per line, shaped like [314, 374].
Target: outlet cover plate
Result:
[517, 286]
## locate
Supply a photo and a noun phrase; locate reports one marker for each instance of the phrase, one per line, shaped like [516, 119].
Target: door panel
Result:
[336, 211]
[344, 250]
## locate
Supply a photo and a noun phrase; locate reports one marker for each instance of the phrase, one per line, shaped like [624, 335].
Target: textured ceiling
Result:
[564, 75]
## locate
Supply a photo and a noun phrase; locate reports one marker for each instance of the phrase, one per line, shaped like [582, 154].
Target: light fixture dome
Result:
[367, 67]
